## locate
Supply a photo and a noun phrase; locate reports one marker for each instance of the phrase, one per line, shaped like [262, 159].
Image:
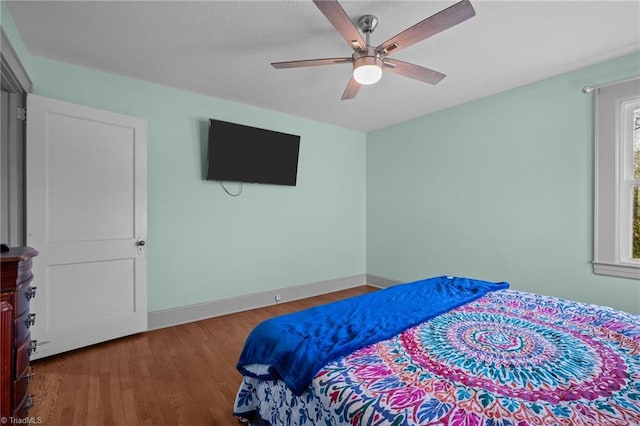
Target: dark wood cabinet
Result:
[15, 339]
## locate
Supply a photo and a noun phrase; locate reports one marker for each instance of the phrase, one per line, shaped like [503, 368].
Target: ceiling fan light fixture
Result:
[367, 68]
[368, 61]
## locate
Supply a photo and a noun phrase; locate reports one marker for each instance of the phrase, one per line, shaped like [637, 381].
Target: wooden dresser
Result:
[15, 339]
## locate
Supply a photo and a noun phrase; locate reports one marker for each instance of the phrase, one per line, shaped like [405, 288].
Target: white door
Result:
[86, 204]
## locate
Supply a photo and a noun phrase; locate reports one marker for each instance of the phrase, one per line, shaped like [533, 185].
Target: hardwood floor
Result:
[181, 375]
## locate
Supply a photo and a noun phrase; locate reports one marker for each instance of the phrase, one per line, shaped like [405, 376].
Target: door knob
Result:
[141, 243]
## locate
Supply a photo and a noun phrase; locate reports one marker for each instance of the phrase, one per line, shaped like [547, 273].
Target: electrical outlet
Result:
[278, 297]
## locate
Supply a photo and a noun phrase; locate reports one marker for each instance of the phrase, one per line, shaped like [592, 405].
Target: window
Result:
[633, 179]
[617, 180]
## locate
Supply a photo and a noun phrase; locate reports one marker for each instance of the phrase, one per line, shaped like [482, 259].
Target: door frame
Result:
[16, 82]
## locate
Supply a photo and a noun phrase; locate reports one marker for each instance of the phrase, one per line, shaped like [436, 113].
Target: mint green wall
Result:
[204, 245]
[10, 29]
[498, 189]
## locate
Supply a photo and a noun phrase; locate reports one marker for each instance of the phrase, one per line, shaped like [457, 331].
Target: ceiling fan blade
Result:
[342, 23]
[351, 90]
[417, 72]
[434, 24]
[310, 62]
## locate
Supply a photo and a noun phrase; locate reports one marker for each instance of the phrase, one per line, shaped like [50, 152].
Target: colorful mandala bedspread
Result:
[506, 359]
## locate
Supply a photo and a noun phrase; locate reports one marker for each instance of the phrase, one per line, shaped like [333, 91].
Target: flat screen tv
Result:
[248, 154]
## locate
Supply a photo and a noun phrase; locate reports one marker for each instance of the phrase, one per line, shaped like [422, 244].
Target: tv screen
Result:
[248, 154]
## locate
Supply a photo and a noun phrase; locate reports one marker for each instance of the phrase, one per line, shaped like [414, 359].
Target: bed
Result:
[495, 357]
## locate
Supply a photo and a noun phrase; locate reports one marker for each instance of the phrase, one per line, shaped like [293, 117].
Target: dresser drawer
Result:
[22, 325]
[23, 296]
[23, 352]
[23, 407]
[21, 386]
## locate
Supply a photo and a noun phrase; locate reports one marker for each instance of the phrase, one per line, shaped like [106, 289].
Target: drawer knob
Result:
[30, 402]
[31, 319]
[33, 346]
[31, 293]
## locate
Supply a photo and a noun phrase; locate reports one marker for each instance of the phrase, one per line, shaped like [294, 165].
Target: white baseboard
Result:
[381, 282]
[184, 314]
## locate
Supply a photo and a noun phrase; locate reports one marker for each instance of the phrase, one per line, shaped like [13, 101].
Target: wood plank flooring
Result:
[181, 375]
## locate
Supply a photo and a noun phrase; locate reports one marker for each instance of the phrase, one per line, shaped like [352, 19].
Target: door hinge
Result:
[22, 114]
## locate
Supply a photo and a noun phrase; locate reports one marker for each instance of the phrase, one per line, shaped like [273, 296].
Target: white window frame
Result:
[613, 222]
[627, 181]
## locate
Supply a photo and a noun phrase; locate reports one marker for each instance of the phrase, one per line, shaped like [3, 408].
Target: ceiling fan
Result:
[368, 61]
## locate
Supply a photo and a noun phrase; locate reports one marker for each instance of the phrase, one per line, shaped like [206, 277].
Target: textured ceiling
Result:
[224, 48]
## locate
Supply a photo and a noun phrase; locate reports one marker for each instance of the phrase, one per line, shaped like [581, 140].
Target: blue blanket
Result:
[294, 347]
